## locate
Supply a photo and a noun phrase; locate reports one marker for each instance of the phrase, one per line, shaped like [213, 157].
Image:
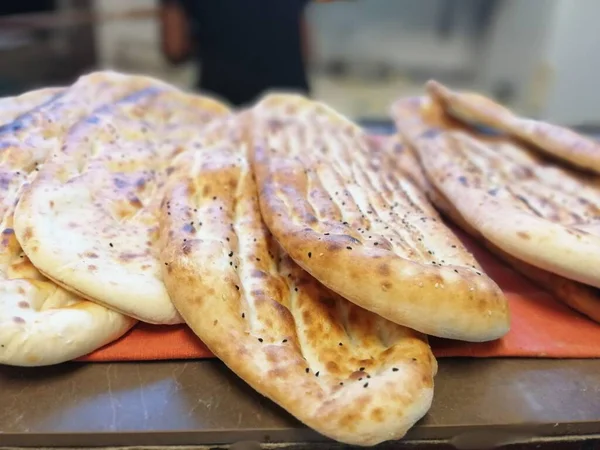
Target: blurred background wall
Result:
[539, 56]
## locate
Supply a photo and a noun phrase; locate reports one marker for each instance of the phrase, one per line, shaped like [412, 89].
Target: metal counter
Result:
[203, 403]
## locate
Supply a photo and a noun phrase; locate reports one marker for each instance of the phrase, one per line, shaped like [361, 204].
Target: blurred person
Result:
[30, 6]
[243, 47]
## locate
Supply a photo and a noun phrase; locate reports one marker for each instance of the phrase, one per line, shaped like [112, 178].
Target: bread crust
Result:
[582, 298]
[341, 370]
[341, 209]
[533, 209]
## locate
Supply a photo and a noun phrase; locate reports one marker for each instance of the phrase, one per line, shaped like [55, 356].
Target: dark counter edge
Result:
[582, 431]
[569, 408]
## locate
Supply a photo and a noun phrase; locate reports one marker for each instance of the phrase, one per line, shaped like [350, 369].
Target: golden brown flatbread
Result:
[553, 140]
[533, 209]
[410, 120]
[337, 206]
[349, 374]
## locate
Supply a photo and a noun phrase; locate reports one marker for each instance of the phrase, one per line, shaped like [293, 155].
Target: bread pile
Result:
[526, 189]
[305, 253]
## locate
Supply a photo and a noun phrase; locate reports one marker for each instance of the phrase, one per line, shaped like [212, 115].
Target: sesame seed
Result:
[237, 287]
[307, 370]
[361, 369]
[341, 383]
[349, 248]
[340, 344]
[230, 254]
[366, 384]
[310, 254]
[317, 374]
[395, 369]
[260, 339]
[111, 244]
[243, 315]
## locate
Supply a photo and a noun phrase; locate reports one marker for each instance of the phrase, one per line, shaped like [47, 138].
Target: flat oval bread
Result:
[343, 371]
[13, 107]
[343, 212]
[530, 208]
[40, 323]
[559, 142]
[582, 298]
[103, 191]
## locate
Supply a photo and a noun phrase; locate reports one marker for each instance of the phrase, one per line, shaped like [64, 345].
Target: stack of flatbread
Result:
[527, 189]
[305, 253]
[295, 249]
[79, 158]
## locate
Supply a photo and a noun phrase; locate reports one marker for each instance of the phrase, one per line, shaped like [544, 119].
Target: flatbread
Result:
[40, 323]
[103, 191]
[582, 298]
[528, 207]
[336, 204]
[553, 140]
[347, 373]
[578, 296]
[13, 107]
